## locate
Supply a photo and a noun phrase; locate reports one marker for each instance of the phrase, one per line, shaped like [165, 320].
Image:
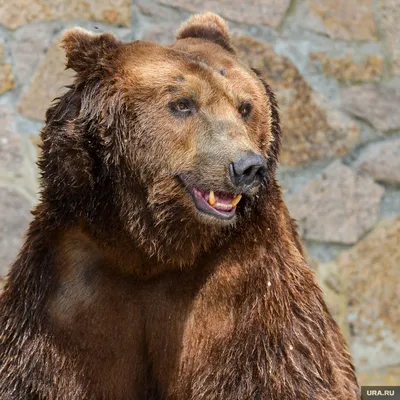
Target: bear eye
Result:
[245, 110]
[182, 107]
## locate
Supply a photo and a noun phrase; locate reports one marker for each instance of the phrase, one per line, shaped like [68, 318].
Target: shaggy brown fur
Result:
[123, 289]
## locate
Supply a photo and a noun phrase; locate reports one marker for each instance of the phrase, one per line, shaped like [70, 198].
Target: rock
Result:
[346, 68]
[370, 271]
[6, 78]
[253, 12]
[6, 75]
[14, 220]
[16, 153]
[11, 154]
[28, 47]
[380, 377]
[390, 24]
[2, 284]
[341, 19]
[13, 14]
[312, 261]
[160, 12]
[390, 207]
[376, 103]
[48, 82]
[311, 128]
[335, 297]
[381, 161]
[163, 34]
[36, 141]
[338, 206]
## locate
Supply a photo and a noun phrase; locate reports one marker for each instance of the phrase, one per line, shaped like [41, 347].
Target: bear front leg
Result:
[268, 337]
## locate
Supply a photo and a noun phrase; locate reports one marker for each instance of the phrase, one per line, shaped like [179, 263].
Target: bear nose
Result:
[248, 170]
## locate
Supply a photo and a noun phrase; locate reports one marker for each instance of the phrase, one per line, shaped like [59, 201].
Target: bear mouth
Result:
[217, 204]
[220, 205]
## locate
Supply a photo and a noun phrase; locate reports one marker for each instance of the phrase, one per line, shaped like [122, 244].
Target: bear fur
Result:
[123, 288]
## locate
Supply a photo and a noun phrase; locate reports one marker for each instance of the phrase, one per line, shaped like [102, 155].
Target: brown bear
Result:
[162, 262]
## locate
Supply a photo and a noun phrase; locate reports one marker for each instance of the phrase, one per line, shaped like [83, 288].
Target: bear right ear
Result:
[208, 26]
[85, 50]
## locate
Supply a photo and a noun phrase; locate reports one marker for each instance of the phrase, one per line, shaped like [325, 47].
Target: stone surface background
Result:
[335, 68]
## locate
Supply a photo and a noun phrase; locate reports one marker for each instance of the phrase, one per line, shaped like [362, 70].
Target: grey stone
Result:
[14, 220]
[161, 12]
[341, 19]
[390, 23]
[11, 154]
[381, 161]
[390, 207]
[389, 376]
[334, 294]
[28, 47]
[377, 104]
[370, 271]
[338, 206]
[48, 82]
[347, 67]
[163, 34]
[265, 12]
[20, 12]
[6, 73]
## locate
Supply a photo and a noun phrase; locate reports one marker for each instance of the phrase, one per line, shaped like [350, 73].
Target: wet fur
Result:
[120, 292]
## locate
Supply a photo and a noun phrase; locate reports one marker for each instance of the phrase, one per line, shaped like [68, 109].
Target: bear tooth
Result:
[236, 200]
[222, 206]
[211, 199]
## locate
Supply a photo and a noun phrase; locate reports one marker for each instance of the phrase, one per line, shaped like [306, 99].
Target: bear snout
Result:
[248, 171]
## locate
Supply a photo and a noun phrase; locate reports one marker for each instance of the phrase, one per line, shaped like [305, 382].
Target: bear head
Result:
[169, 150]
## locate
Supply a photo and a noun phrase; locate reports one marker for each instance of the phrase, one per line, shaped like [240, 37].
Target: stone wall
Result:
[335, 67]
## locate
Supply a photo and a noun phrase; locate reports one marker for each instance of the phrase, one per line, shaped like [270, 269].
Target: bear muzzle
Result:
[248, 171]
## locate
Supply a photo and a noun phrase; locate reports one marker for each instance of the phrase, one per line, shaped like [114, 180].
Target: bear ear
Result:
[208, 26]
[85, 50]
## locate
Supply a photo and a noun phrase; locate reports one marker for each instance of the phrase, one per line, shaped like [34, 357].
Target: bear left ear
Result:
[85, 50]
[208, 26]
